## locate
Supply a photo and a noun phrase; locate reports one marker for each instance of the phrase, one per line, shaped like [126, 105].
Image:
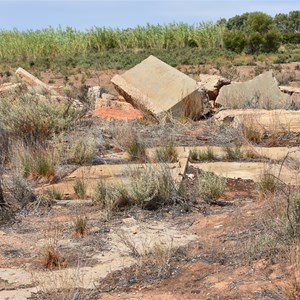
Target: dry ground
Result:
[213, 251]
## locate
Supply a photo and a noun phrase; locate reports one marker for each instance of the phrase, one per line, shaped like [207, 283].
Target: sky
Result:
[38, 14]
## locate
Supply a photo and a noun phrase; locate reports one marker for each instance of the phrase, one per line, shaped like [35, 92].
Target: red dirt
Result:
[119, 113]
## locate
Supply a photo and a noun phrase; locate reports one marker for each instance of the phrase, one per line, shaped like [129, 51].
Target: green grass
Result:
[51, 42]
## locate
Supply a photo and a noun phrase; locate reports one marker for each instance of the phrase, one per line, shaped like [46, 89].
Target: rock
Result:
[129, 221]
[109, 97]
[212, 83]
[260, 92]
[266, 120]
[289, 89]
[95, 92]
[36, 84]
[156, 88]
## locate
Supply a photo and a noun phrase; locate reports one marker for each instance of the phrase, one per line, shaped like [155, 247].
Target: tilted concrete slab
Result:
[34, 82]
[260, 92]
[155, 87]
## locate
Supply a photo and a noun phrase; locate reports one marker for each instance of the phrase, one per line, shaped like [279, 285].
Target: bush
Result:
[81, 151]
[80, 188]
[33, 119]
[110, 196]
[34, 161]
[211, 186]
[268, 184]
[167, 153]
[233, 152]
[207, 154]
[136, 150]
[151, 187]
[235, 41]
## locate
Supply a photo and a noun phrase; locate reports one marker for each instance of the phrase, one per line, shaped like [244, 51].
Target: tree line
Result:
[259, 32]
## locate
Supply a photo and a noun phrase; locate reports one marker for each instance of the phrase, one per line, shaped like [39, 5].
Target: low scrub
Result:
[110, 196]
[34, 162]
[32, 120]
[80, 188]
[233, 151]
[151, 188]
[167, 154]
[211, 186]
[207, 154]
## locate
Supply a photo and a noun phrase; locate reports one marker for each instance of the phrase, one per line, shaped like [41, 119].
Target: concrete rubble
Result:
[157, 88]
[280, 120]
[213, 84]
[34, 82]
[260, 92]
[40, 88]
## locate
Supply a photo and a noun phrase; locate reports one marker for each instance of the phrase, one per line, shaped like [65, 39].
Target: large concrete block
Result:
[260, 92]
[155, 87]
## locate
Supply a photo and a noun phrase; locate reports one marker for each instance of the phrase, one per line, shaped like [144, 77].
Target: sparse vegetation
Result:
[80, 188]
[167, 153]
[233, 151]
[207, 154]
[211, 186]
[80, 225]
[110, 196]
[268, 184]
[137, 150]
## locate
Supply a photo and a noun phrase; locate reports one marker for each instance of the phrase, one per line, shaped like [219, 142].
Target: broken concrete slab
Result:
[213, 84]
[280, 120]
[252, 170]
[260, 92]
[289, 89]
[34, 82]
[156, 88]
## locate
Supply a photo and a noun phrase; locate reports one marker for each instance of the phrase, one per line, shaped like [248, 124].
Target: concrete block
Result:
[156, 88]
[260, 92]
[34, 82]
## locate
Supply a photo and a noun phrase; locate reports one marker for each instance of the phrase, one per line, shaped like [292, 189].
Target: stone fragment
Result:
[157, 88]
[212, 83]
[95, 92]
[260, 92]
[34, 82]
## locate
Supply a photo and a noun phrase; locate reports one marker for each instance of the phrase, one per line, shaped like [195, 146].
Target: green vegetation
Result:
[207, 154]
[167, 153]
[211, 186]
[122, 48]
[80, 188]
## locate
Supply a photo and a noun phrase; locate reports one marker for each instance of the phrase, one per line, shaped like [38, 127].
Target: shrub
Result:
[110, 196]
[233, 152]
[167, 153]
[80, 188]
[33, 119]
[136, 150]
[34, 161]
[80, 225]
[235, 40]
[207, 154]
[268, 183]
[56, 194]
[151, 187]
[81, 151]
[211, 186]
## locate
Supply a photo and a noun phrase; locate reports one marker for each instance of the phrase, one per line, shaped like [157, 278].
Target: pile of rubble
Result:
[153, 88]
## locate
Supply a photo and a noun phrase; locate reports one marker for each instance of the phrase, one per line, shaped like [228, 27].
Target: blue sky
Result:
[22, 14]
